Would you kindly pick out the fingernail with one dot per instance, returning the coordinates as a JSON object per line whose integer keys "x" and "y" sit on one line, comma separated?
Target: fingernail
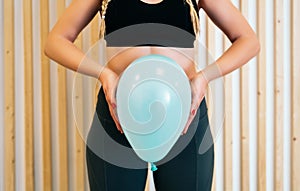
{"x": 193, "y": 111}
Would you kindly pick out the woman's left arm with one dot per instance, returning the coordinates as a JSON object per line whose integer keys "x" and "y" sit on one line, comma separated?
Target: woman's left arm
{"x": 245, "y": 46}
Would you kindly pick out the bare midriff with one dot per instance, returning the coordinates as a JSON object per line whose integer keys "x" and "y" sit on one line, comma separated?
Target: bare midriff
{"x": 124, "y": 56}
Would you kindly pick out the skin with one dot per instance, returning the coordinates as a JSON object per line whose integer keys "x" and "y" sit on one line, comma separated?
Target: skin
{"x": 245, "y": 45}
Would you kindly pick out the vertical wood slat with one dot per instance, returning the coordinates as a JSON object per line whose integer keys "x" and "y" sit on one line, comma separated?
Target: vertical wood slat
{"x": 228, "y": 134}
{"x": 269, "y": 40}
{"x": 37, "y": 95}
{"x": 79, "y": 142}
{"x": 72, "y": 169}
{"x": 228, "y": 127}
{"x": 94, "y": 32}
{"x": 71, "y": 135}
{"x": 9, "y": 116}
{"x": 86, "y": 86}
{"x": 278, "y": 95}
{"x": 62, "y": 116}
{"x": 63, "y": 130}
{"x": 80, "y": 148}
{"x": 20, "y": 94}
{"x": 236, "y": 131}
{"x": 253, "y": 102}
{"x": 287, "y": 86}
{"x": 28, "y": 83}
{"x": 46, "y": 124}
{"x": 218, "y": 111}
{"x": 261, "y": 98}
{"x": 85, "y": 94}
{"x": 80, "y": 183}
{"x": 55, "y": 160}
{"x": 244, "y": 120}
{"x": 219, "y": 144}
{"x": 236, "y": 125}
{"x": 2, "y": 108}
{"x": 296, "y": 95}
{"x": 210, "y": 43}
{"x": 54, "y": 112}
{"x": 244, "y": 132}
{"x": 73, "y": 183}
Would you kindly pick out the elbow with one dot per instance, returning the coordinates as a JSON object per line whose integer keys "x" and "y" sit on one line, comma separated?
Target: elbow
{"x": 47, "y": 47}
{"x": 50, "y": 47}
{"x": 253, "y": 45}
{"x": 250, "y": 41}
{"x": 256, "y": 45}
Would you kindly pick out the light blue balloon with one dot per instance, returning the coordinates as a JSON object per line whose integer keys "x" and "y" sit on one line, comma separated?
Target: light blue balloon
{"x": 153, "y": 105}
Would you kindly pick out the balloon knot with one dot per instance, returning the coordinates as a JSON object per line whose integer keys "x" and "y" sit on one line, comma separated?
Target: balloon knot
{"x": 153, "y": 167}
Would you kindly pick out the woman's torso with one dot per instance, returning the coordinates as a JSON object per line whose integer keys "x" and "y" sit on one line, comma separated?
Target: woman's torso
{"x": 128, "y": 20}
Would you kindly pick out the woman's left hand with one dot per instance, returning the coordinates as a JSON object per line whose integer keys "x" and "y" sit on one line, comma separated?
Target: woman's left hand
{"x": 198, "y": 86}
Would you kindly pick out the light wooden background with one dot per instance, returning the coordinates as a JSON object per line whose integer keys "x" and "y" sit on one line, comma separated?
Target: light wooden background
{"x": 40, "y": 148}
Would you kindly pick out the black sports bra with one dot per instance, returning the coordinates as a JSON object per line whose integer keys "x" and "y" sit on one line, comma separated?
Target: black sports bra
{"x": 169, "y": 22}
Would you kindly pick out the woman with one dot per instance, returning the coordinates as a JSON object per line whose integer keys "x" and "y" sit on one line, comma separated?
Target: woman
{"x": 193, "y": 171}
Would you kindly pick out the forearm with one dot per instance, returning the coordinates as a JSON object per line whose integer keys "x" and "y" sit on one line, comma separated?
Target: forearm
{"x": 239, "y": 53}
{"x": 67, "y": 54}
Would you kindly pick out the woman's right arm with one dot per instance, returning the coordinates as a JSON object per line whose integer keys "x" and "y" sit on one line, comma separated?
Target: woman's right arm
{"x": 60, "y": 47}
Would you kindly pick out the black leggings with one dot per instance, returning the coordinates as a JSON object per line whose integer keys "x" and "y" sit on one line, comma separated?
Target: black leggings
{"x": 188, "y": 170}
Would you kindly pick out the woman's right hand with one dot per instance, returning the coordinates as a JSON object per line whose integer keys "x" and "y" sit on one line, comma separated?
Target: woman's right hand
{"x": 109, "y": 81}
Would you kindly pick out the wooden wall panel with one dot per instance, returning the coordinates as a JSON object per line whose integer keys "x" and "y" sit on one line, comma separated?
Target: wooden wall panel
{"x": 296, "y": 95}
{"x": 261, "y": 99}
{"x": 28, "y": 83}
{"x": 244, "y": 109}
{"x": 228, "y": 133}
{"x": 2, "y": 108}
{"x": 62, "y": 117}
{"x": 48, "y": 105}
{"x": 278, "y": 21}
{"x": 80, "y": 144}
{"x": 9, "y": 100}
{"x": 37, "y": 94}
{"x": 252, "y": 111}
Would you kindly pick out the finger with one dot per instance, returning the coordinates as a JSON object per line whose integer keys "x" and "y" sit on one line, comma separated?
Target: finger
{"x": 186, "y": 128}
{"x": 194, "y": 106}
{"x": 112, "y": 109}
{"x": 113, "y": 96}
{"x": 115, "y": 118}
{"x": 187, "y": 124}
{"x": 118, "y": 125}
{"x": 114, "y": 90}
{"x": 190, "y": 119}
